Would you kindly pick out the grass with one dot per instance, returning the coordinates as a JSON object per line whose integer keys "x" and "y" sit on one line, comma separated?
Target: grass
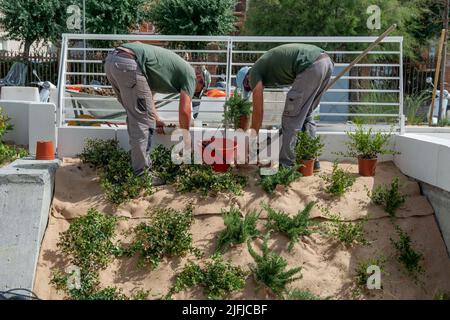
{"x": 412, "y": 104}
{"x": 116, "y": 173}
{"x": 202, "y": 179}
{"x": 285, "y": 176}
{"x": 237, "y": 230}
{"x": 167, "y": 234}
{"x": 406, "y": 255}
{"x": 298, "y": 226}
{"x": 297, "y": 294}
{"x": 389, "y": 197}
{"x": 338, "y": 182}
{"x": 218, "y": 278}
{"x": 270, "y": 271}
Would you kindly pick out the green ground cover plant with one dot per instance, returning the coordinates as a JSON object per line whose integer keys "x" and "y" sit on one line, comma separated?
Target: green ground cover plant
{"x": 166, "y": 235}
{"x": 361, "y": 274}
{"x": 238, "y": 230}
{"x": 406, "y": 255}
{"x": 270, "y": 271}
{"x": 217, "y": 277}
{"x": 389, "y": 197}
{"x": 297, "y": 294}
{"x": 294, "y": 228}
{"x": 285, "y": 176}
{"x": 202, "y": 179}
{"x": 348, "y": 233}
{"x": 117, "y": 179}
{"x": 338, "y": 182}
{"x": 162, "y": 164}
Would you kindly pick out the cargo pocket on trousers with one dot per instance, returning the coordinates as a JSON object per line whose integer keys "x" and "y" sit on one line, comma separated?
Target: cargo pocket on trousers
{"x": 142, "y": 105}
{"x": 293, "y": 104}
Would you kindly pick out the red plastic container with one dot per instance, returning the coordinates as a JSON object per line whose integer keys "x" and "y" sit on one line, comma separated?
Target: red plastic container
{"x": 45, "y": 150}
{"x": 223, "y": 149}
{"x": 307, "y": 168}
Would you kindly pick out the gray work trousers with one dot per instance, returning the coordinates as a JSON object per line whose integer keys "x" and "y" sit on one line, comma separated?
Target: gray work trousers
{"x": 303, "y": 98}
{"x": 133, "y": 92}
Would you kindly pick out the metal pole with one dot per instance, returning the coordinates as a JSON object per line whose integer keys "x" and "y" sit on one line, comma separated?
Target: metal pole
{"x": 361, "y": 56}
{"x": 401, "y": 96}
{"x": 444, "y": 60}
{"x": 436, "y": 77}
{"x": 84, "y": 40}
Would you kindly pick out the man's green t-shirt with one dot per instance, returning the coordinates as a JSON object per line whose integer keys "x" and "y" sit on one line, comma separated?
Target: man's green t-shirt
{"x": 166, "y": 72}
{"x": 280, "y": 66}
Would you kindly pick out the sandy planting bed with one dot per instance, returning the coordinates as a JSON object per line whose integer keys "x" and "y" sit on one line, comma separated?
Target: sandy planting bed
{"x": 328, "y": 266}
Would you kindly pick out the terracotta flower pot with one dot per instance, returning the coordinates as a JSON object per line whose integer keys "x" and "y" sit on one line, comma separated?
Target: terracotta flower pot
{"x": 45, "y": 150}
{"x": 225, "y": 149}
{"x": 307, "y": 168}
{"x": 244, "y": 123}
{"x": 367, "y": 167}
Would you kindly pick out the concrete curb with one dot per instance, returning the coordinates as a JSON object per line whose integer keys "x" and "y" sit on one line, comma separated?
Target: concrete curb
{"x": 26, "y": 192}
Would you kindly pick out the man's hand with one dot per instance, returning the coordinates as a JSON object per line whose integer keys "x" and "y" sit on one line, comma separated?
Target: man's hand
{"x": 160, "y": 126}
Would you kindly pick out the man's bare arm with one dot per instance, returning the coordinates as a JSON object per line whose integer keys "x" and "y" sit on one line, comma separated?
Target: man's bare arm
{"x": 185, "y": 111}
{"x": 258, "y": 106}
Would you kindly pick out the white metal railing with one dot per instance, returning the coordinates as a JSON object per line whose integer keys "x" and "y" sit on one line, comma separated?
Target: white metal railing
{"x": 344, "y": 101}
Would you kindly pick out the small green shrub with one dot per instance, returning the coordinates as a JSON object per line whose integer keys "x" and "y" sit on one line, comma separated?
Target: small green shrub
{"x": 167, "y": 234}
{"x": 389, "y": 197}
{"x": 270, "y": 269}
{"x": 8, "y": 153}
{"x": 89, "y": 240}
{"x": 406, "y": 255}
{"x": 307, "y": 147}
{"x": 202, "y": 179}
{"x": 338, "y": 182}
{"x": 117, "y": 179}
{"x": 162, "y": 164}
{"x": 367, "y": 145}
{"x": 348, "y": 233}
{"x": 99, "y": 153}
{"x": 442, "y": 296}
{"x": 412, "y": 104}
{"x": 217, "y": 277}
{"x": 361, "y": 270}
{"x": 236, "y": 107}
{"x": 285, "y": 176}
{"x": 238, "y": 230}
{"x": 295, "y": 227}
{"x": 297, "y": 294}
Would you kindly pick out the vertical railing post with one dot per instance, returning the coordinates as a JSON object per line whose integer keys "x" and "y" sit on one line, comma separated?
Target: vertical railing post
{"x": 401, "y": 96}
{"x": 62, "y": 81}
{"x": 229, "y": 71}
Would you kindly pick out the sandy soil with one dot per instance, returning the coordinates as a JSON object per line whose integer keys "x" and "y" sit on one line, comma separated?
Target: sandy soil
{"x": 328, "y": 266}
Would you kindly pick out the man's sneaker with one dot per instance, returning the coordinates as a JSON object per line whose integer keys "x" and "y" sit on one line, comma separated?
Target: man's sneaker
{"x": 157, "y": 181}
{"x": 316, "y": 165}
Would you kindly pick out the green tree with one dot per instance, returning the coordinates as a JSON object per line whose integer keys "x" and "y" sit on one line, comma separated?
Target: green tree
{"x": 331, "y": 18}
{"x": 115, "y": 16}
{"x": 194, "y": 17}
{"x": 29, "y": 21}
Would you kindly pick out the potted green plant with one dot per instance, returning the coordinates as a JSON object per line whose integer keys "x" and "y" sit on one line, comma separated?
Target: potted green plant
{"x": 307, "y": 150}
{"x": 238, "y": 111}
{"x": 366, "y": 146}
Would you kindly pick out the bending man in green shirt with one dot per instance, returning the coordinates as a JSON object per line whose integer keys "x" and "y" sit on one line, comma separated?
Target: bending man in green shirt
{"x": 136, "y": 70}
{"x": 308, "y": 70}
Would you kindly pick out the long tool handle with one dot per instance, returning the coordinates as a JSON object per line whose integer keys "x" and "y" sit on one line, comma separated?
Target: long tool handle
{"x": 362, "y": 55}
{"x": 436, "y": 76}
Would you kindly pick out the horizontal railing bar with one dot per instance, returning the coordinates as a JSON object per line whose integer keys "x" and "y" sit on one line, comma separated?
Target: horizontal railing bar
{"x": 190, "y": 38}
{"x": 336, "y": 65}
{"x": 339, "y": 90}
{"x": 390, "y": 115}
{"x": 392, "y": 104}
{"x": 367, "y": 78}
{"x": 359, "y": 52}
{"x": 199, "y": 51}
{"x": 87, "y": 86}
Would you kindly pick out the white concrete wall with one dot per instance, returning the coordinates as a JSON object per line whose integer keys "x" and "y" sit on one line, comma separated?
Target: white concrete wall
{"x": 425, "y": 158}
{"x": 32, "y": 122}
